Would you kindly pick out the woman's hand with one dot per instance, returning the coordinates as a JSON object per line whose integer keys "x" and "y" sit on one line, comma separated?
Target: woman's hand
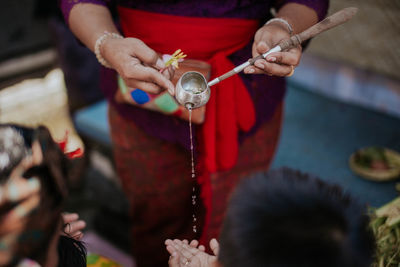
{"x": 72, "y": 226}
{"x": 184, "y": 254}
{"x": 138, "y": 64}
{"x": 278, "y": 63}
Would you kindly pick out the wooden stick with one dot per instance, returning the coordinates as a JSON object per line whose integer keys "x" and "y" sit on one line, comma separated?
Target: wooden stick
{"x": 333, "y": 20}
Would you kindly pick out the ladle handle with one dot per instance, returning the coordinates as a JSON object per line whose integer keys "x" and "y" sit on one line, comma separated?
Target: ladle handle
{"x": 333, "y": 20}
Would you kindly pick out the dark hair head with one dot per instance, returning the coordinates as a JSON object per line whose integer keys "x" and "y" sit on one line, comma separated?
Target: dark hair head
{"x": 286, "y": 218}
{"x": 71, "y": 253}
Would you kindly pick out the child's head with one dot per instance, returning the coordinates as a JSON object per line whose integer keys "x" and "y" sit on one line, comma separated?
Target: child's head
{"x": 286, "y": 218}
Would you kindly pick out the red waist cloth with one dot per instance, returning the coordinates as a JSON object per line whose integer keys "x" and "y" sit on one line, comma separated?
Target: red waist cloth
{"x": 230, "y": 108}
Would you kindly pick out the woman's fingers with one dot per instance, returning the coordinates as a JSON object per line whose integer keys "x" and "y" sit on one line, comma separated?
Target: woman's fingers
{"x": 168, "y": 72}
{"x": 145, "y": 86}
{"x": 147, "y": 55}
{"x": 273, "y": 68}
{"x": 290, "y": 57}
{"x": 252, "y": 70}
{"x": 139, "y": 76}
{"x": 261, "y": 66}
{"x": 134, "y": 60}
{"x": 277, "y": 64}
{"x": 148, "y": 70}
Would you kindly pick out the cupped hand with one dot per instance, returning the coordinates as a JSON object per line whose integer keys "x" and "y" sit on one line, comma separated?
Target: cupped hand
{"x": 184, "y": 254}
{"x": 72, "y": 226}
{"x": 278, "y": 63}
{"x": 138, "y": 64}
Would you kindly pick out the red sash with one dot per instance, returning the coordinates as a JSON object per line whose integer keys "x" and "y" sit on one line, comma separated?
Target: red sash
{"x": 230, "y": 108}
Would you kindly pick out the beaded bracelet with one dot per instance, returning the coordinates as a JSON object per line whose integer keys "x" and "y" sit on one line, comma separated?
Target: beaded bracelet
{"x": 289, "y": 27}
{"x": 98, "y": 44}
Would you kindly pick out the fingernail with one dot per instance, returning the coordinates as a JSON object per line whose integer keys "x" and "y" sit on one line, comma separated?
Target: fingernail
{"x": 259, "y": 65}
{"x": 272, "y": 59}
{"x": 251, "y": 71}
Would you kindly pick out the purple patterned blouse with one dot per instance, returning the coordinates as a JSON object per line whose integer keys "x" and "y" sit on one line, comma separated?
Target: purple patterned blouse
{"x": 267, "y": 92}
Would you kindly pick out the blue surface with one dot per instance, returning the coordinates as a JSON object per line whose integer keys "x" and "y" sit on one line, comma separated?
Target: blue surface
{"x": 320, "y": 134}
{"x": 92, "y": 122}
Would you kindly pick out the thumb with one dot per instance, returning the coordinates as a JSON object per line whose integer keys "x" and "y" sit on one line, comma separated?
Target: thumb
{"x": 262, "y": 47}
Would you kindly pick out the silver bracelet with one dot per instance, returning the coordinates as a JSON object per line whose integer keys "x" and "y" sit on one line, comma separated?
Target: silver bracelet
{"x": 98, "y": 44}
{"x": 288, "y": 26}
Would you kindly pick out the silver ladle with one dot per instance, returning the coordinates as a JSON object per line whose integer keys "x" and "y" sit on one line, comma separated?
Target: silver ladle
{"x": 193, "y": 91}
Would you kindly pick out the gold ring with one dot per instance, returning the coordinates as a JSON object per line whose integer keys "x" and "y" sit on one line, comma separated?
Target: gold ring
{"x": 291, "y": 72}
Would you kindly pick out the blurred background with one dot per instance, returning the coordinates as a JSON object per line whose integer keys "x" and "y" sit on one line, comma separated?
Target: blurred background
{"x": 345, "y": 95}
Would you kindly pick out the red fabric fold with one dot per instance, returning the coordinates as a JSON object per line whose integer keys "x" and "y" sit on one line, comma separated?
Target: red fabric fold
{"x": 230, "y": 108}
{"x": 229, "y": 111}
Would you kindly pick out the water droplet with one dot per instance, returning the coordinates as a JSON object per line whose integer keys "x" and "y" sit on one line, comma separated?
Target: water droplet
{"x": 193, "y": 168}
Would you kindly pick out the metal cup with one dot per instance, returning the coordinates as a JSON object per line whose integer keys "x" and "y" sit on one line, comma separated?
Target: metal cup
{"x": 192, "y": 90}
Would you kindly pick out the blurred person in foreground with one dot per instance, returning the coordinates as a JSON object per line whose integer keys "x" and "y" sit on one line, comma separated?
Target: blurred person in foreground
{"x": 285, "y": 218}
{"x": 33, "y": 187}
